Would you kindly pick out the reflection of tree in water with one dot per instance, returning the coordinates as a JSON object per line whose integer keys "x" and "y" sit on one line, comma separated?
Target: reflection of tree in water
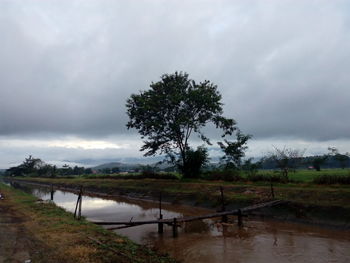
{"x": 22, "y": 187}
{"x": 232, "y": 230}
{"x": 38, "y": 191}
{"x": 197, "y": 226}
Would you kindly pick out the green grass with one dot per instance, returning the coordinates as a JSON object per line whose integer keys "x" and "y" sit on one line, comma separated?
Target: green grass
{"x": 307, "y": 176}
{"x": 69, "y": 240}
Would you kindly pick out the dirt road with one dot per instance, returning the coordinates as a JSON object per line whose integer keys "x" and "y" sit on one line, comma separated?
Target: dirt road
{"x": 16, "y": 242}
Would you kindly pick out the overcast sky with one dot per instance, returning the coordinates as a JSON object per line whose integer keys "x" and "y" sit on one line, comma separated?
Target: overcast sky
{"x": 67, "y": 68}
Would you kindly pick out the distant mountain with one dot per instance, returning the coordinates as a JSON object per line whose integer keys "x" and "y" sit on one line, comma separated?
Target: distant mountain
{"x": 131, "y": 166}
{"x": 127, "y": 160}
{"x": 121, "y": 166}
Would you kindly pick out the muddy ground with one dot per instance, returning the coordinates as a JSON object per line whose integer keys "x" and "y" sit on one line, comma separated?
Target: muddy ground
{"x": 17, "y": 243}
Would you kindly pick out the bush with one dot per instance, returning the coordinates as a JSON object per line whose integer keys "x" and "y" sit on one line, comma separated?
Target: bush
{"x": 143, "y": 175}
{"x": 276, "y": 178}
{"x": 224, "y": 175}
{"x": 332, "y": 179}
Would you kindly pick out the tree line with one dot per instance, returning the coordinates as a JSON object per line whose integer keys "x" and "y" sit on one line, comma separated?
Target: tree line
{"x": 36, "y": 167}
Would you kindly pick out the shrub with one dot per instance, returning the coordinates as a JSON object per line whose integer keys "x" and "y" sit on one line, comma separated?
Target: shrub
{"x": 277, "y": 178}
{"x": 332, "y": 179}
{"x": 224, "y": 175}
{"x": 143, "y": 175}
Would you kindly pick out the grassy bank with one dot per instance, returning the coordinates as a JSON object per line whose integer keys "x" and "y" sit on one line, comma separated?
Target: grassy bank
{"x": 307, "y": 203}
{"x": 208, "y": 191}
{"x": 60, "y": 238}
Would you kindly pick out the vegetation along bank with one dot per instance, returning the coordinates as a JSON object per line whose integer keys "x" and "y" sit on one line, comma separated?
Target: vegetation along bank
{"x": 37, "y": 231}
{"x": 307, "y": 202}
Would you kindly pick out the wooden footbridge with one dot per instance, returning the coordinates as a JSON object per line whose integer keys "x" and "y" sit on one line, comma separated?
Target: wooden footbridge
{"x": 174, "y": 222}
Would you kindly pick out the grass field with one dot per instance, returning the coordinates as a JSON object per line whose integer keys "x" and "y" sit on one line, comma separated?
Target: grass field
{"x": 59, "y": 238}
{"x": 307, "y": 176}
{"x": 297, "y": 176}
{"x": 305, "y": 197}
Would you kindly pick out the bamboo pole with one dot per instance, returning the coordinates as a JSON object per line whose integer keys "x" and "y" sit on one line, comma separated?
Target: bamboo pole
{"x": 160, "y": 225}
{"x": 272, "y": 190}
{"x": 175, "y": 234}
{"x": 240, "y": 222}
{"x": 193, "y": 218}
{"x": 223, "y": 207}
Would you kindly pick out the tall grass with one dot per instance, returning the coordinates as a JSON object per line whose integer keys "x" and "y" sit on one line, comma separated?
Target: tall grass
{"x": 332, "y": 179}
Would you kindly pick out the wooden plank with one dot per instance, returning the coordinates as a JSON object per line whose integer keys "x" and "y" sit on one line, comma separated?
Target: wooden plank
{"x": 193, "y": 218}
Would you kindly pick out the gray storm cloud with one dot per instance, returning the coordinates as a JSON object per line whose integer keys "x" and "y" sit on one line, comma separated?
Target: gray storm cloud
{"x": 67, "y": 67}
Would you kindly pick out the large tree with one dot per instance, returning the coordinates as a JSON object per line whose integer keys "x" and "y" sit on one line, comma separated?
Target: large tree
{"x": 172, "y": 110}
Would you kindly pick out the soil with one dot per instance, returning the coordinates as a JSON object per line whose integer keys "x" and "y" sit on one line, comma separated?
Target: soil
{"x": 16, "y": 242}
{"x": 290, "y": 211}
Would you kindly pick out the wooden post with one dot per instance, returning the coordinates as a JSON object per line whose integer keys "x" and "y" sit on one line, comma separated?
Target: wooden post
{"x": 52, "y": 192}
{"x": 272, "y": 190}
{"x": 80, "y": 201}
{"x": 240, "y": 222}
{"x": 223, "y": 207}
{"x": 160, "y": 225}
{"x": 174, "y": 227}
{"x": 78, "y": 204}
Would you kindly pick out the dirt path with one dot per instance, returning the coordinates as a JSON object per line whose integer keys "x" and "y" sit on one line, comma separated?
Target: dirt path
{"x": 16, "y": 242}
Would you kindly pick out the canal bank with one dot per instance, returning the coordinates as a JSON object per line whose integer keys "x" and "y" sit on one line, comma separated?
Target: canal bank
{"x": 314, "y": 205}
{"x": 209, "y": 241}
{"x": 39, "y": 231}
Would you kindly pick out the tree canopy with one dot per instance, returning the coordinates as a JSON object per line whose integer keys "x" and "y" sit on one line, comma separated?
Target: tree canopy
{"x": 172, "y": 110}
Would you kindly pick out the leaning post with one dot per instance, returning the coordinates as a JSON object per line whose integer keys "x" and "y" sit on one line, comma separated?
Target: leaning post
{"x": 272, "y": 190}
{"x": 239, "y": 214}
{"x": 175, "y": 228}
{"x": 160, "y": 225}
{"x": 52, "y": 192}
{"x": 223, "y": 207}
{"x": 80, "y": 201}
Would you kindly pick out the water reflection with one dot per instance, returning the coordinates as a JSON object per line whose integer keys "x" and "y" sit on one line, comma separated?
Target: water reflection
{"x": 209, "y": 241}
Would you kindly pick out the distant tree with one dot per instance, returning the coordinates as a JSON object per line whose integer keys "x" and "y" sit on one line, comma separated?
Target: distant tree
{"x": 31, "y": 165}
{"x": 78, "y": 170}
{"x": 286, "y": 159}
{"x": 234, "y": 150}
{"x": 15, "y": 171}
{"x": 317, "y": 161}
{"x": 115, "y": 170}
{"x": 342, "y": 159}
{"x": 251, "y": 167}
{"x": 171, "y": 111}
{"x": 106, "y": 170}
{"x": 46, "y": 170}
{"x": 196, "y": 159}
{"x": 88, "y": 171}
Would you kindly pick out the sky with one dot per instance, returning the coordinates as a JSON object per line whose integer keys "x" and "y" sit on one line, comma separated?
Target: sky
{"x": 67, "y": 68}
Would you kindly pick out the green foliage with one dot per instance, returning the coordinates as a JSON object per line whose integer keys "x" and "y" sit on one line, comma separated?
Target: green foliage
{"x": 318, "y": 161}
{"x": 251, "y": 168}
{"x": 343, "y": 159}
{"x": 234, "y": 150}
{"x": 223, "y": 175}
{"x": 36, "y": 167}
{"x": 332, "y": 179}
{"x": 171, "y": 111}
{"x": 143, "y": 175}
{"x": 195, "y": 160}
{"x": 277, "y": 178}
{"x": 286, "y": 159}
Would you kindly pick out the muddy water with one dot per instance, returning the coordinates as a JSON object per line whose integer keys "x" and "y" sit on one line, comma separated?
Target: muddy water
{"x": 208, "y": 241}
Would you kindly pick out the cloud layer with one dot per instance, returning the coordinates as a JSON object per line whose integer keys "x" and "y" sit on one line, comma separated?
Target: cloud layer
{"x": 67, "y": 67}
